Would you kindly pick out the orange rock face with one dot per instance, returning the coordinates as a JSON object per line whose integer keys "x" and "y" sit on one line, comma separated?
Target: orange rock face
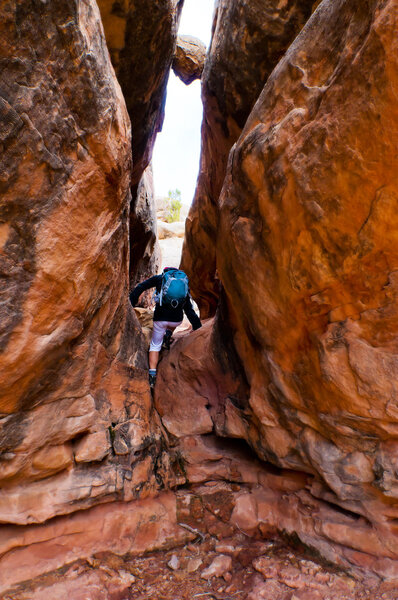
{"x": 248, "y": 40}
{"x": 141, "y": 37}
{"x": 300, "y": 360}
{"x": 306, "y": 254}
{"x": 145, "y": 254}
{"x": 75, "y": 429}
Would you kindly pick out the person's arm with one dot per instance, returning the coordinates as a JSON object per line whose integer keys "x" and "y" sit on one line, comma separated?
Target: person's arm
{"x": 191, "y": 314}
{"x": 142, "y": 287}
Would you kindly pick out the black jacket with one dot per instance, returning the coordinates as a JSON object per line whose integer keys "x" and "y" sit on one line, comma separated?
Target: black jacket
{"x": 166, "y": 312}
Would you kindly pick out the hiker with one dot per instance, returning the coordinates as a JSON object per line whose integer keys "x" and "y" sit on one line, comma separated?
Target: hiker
{"x": 172, "y": 299}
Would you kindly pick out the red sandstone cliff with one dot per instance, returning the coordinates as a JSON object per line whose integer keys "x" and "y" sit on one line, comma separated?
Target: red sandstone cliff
{"x": 306, "y": 255}
{"x": 249, "y": 38}
{"x": 76, "y": 422}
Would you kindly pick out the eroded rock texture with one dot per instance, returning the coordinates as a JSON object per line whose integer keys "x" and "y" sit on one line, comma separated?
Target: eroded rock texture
{"x": 248, "y": 40}
{"x": 307, "y": 255}
{"x": 76, "y": 428}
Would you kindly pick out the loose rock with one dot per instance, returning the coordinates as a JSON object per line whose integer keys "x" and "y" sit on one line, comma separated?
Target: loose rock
{"x": 219, "y": 567}
{"x": 174, "y": 563}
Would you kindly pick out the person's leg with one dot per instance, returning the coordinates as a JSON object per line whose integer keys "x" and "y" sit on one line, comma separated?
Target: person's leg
{"x": 168, "y": 335}
{"x": 153, "y": 359}
{"x": 159, "y": 327}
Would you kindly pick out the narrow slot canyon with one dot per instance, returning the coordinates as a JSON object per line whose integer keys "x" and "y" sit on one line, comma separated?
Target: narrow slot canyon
{"x": 263, "y": 465}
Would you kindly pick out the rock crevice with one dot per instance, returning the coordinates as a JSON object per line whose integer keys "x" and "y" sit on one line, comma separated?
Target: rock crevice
{"x": 278, "y": 417}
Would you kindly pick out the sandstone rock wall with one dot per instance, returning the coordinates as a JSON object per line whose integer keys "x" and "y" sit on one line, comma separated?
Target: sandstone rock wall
{"x": 300, "y": 360}
{"x": 145, "y": 254}
{"x": 76, "y": 423}
{"x": 248, "y": 40}
{"x": 141, "y": 38}
{"x": 306, "y": 253}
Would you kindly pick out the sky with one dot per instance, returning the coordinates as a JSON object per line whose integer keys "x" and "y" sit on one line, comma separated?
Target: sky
{"x": 177, "y": 148}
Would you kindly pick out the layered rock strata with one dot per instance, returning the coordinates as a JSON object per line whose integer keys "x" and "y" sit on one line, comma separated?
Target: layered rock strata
{"x": 306, "y": 255}
{"x": 248, "y": 40}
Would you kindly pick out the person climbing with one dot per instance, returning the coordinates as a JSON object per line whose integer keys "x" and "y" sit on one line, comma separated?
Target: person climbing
{"x": 172, "y": 300}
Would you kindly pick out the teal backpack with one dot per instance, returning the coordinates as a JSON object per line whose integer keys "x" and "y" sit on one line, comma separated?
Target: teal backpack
{"x": 174, "y": 288}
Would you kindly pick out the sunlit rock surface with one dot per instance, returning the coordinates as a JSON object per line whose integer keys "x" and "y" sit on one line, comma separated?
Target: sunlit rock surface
{"x": 189, "y": 59}
{"x": 306, "y": 252}
{"x": 248, "y": 40}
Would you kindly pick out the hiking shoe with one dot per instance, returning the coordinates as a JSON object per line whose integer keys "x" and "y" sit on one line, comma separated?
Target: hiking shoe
{"x": 167, "y": 339}
{"x": 152, "y": 381}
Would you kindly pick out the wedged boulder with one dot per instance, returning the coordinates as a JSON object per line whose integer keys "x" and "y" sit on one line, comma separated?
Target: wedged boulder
{"x": 189, "y": 58}
{"x": 249, "y": 38}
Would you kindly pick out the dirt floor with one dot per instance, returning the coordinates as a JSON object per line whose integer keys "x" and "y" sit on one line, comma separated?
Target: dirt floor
{"x": 247, "y": 570}
{"x": 233, "y": 568}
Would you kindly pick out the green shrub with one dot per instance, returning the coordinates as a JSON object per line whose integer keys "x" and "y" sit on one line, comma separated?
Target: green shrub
{"x": 174, "y": 206}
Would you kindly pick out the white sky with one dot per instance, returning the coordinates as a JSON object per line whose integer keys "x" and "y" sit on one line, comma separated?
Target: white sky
{"x": 177, "y": 148}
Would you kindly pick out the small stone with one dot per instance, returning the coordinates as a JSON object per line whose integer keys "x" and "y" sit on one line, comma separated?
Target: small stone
{"x": 244, "y": 515}
{"x": 93, "y": 447}
{"x": 322, "y": 577}
{"x": 225, "y": 548}
{"x": 126, "y": 576}
{"x": 194, "y": 564}
{"x": 265, "y": 566}
{"x": 120, "y": 447}
{"x": 173, "y": 563}
{"x": 220, "y": 565}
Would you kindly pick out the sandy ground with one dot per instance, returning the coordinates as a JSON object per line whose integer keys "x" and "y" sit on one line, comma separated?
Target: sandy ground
{"x": 247, "y": 569}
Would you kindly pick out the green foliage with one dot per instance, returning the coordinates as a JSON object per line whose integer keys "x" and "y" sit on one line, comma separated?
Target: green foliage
{"x": 174, "y": 206}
